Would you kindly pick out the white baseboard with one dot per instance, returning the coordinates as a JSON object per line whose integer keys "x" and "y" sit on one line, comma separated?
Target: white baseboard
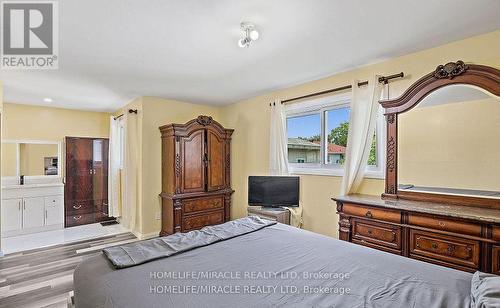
{"x": 146, "y": 236}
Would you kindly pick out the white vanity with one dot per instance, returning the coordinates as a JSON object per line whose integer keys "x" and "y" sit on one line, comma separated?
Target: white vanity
{"x": 32, "y": 208}
{"x": 35, "y": 203}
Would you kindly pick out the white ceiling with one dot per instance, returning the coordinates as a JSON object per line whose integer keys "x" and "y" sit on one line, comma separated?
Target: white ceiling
{"x": 112, "y": 51}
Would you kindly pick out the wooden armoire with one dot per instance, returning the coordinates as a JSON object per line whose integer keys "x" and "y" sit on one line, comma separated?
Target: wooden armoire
{"x": 86, "y": 181}
{"x": 196, "y": 185}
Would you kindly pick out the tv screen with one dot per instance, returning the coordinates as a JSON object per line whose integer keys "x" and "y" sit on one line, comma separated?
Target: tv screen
{"x": 273, "y": 191}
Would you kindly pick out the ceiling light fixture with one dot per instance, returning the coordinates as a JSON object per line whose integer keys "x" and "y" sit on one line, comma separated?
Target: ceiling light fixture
{"x": 250, "y": 34}
{"x": 48, "y": 100}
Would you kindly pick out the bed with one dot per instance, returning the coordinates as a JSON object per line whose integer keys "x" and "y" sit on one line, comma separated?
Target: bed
{"x": 278, "y": 266}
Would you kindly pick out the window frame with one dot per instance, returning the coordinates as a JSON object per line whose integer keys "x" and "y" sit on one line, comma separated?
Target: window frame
{"x": 320, "y": 106}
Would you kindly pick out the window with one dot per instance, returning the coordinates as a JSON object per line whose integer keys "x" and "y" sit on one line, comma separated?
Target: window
{"x": 304, "y": 137}
{"x": 317, "y": 138}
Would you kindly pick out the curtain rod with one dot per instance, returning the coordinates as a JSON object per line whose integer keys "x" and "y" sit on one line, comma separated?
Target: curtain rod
{"x": 381, "y": 79}
{"x": 121, "y": 115}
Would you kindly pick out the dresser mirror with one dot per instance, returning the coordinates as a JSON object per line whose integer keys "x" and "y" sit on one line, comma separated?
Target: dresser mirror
{"x": 30, "y": 158}
{"x": 443, "y": 137}
{"x": 450, "y": 143}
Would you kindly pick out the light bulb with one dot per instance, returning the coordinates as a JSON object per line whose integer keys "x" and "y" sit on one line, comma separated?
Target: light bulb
{"x": 254, "y": 35}
{"x": 48, "y": 100}
{"x": 244, "y": 42}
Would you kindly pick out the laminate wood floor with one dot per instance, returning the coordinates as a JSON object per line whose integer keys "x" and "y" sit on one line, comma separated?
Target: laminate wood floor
{"x": 44, "y": 277}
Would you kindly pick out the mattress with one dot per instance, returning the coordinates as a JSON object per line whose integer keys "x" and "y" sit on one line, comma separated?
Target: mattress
{"x": 277, "y": 266}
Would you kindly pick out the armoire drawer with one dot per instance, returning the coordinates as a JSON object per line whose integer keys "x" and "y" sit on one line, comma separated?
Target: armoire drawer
{"x": 376, "y": 233}
{"x": 496, "y": 233}
{"x": 79, "y": 219}
{"x": 495, "y": 263}
{"x": 202, "y": 204}
{"x": 200, "y": 221}
{"x": 449, "y": 249}
{"x": 371, "y": 213}
{"x": 79, "y": 207}
{"x": 444, "y": 224}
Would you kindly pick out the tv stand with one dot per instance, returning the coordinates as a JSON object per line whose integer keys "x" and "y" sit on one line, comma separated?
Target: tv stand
{"x": 278, "y": 214}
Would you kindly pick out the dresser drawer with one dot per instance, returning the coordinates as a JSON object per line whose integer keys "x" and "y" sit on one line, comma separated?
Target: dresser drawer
{"x": 77, "y": 207}
{"x": 495, "y": 263}
{"x": 202, "y": 220}
{"x": 79, "y": 219}
{"x": 496, "y": 233}
{"x": 202, "y": 204}
{"x": 444, "y": 224}
{"x": 376, "y": 233}
{"x": 445, "y": 248}
{"x": 371, "y": 213}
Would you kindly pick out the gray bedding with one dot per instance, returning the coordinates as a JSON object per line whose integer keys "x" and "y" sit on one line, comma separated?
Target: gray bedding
{"x": 277, "y": 266}
{"x": 145, "y": 251}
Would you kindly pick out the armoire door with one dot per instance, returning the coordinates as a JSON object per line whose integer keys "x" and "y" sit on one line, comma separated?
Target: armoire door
{"x": 79, "y": 177}
{"x": 215, "y": 166}
{"x": 192, "y": 159}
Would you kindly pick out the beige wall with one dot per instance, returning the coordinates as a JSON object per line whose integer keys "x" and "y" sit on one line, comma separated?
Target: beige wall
{"x": 44, "y": 123}
{"x": 452, "y": 145}
{"x": 9, "y": 159}
{"x": 250, "y": 119}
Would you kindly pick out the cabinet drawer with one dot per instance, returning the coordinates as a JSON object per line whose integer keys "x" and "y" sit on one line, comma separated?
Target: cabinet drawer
{"x": 75, "y": 207}
{"x": 79, "y": 219}
{"x": 202, "y": 204}
{"x": 496, "y": 233}
{"x": 445, "y": 248}
{"x": 376, "y": 233}
{"x": 200, "y": 221}
{"x": 371, "y": 213}
{"x": 495, "y": 263}
{"x": 444, "y": 224}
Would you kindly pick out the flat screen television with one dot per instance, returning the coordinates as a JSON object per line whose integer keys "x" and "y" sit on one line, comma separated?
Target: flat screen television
{"x": 273, "y": 191}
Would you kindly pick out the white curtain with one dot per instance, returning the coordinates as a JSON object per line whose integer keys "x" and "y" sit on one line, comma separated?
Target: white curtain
{"x": 278, "y": 154}
{"x": 362, "y": 124}
{"x": 114, "y": 180}
{"x": 278, "y": 160}
{"x": 131, "y": 198}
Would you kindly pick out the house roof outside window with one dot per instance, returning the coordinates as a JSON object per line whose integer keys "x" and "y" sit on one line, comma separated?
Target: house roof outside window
{"x": 298, "y": 143}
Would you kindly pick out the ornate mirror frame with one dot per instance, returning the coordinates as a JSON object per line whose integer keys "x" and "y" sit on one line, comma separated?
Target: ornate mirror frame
{"x": 485, "y": 77}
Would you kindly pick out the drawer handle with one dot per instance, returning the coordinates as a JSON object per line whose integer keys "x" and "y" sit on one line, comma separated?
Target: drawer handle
{"x": 370, "y": 231}
{"x": 369, "y": 214}
{"x": 451, "y": 249}
{"x": 77, "y": 207}
{"x": 434, "y": 245}
{"x": 77, "y": 217}
{"x": 442, "y": 224}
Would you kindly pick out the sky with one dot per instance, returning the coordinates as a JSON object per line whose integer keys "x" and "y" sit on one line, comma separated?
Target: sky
{"x": 307, "y": 126}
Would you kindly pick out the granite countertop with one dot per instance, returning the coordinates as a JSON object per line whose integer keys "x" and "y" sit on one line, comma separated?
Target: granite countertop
{"x": 457, "y": 211}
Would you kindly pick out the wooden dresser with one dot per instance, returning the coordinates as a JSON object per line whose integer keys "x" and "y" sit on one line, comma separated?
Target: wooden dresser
{"x": 439, "y": 215}
{"x": 461, "y": 237}
{"x": 196, "y": 186}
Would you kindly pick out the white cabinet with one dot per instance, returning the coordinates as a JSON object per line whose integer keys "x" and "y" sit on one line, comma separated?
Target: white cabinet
{"x": 12, "y": 215}
{"x": 28, "y": 209}
{"x": 33, "y": 212}
{"x": 54, "y": 210}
